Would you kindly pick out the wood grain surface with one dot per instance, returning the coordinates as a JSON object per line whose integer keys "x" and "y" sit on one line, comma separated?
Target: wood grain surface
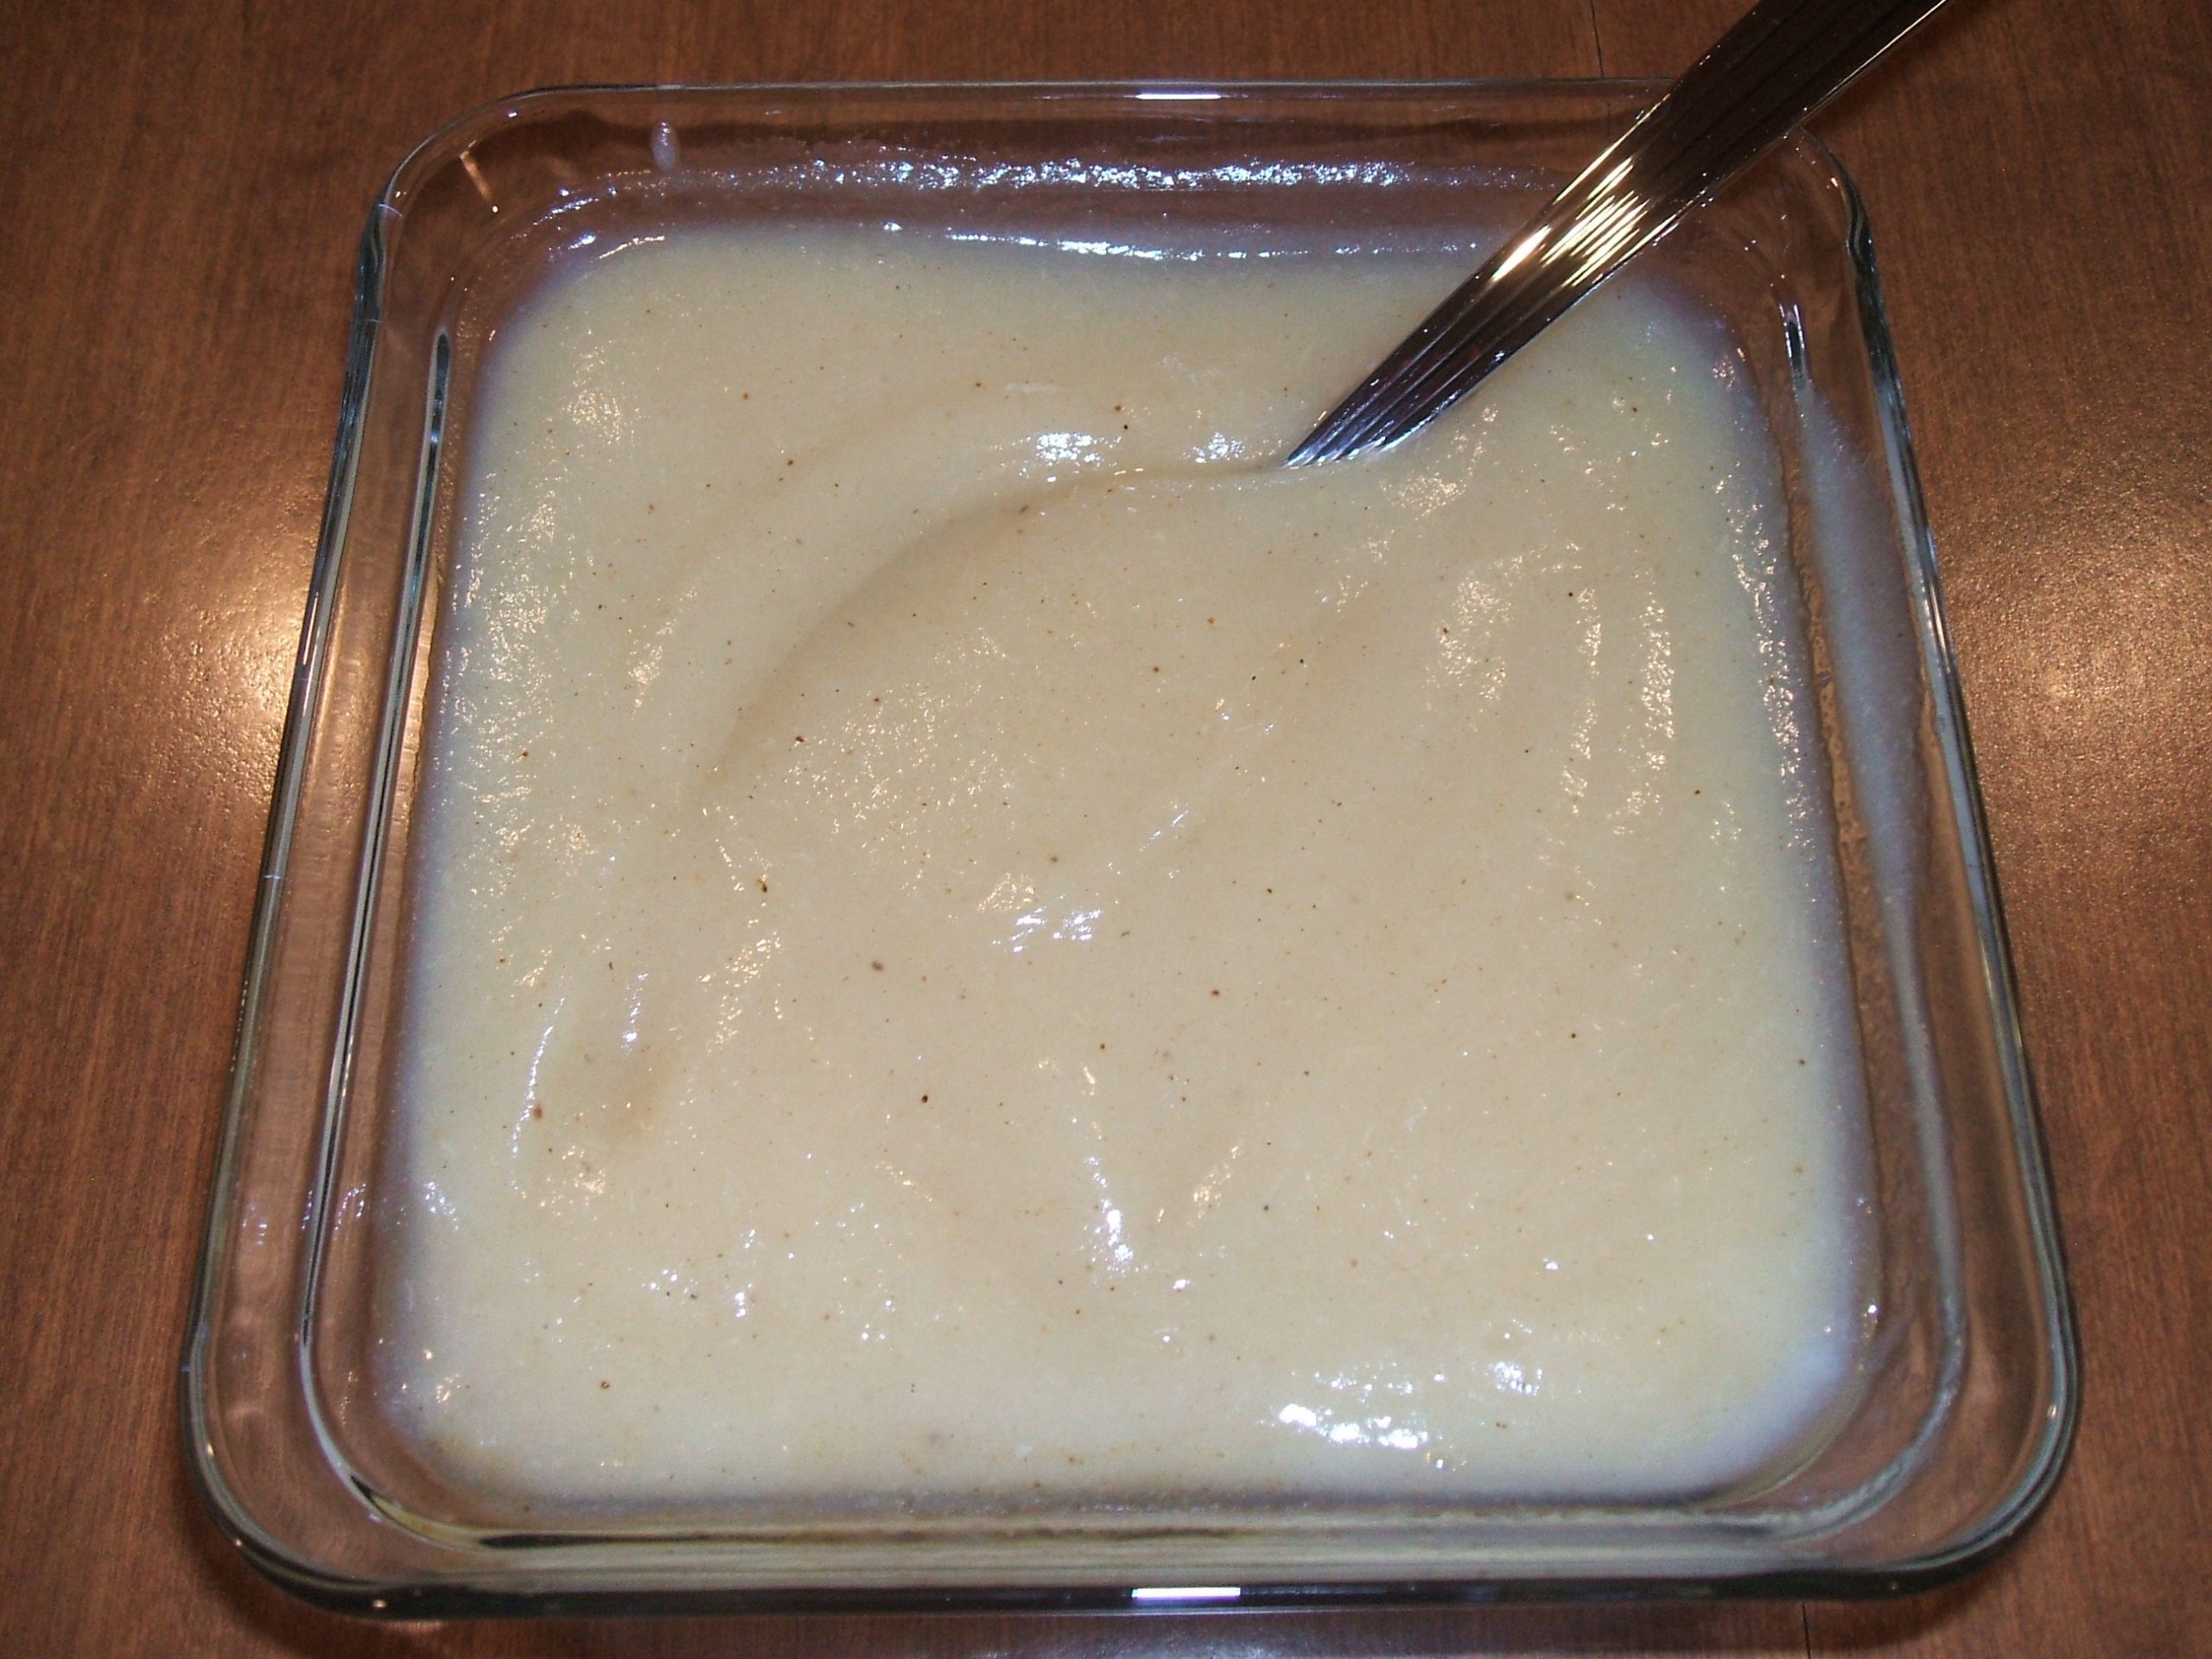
{"x": 180, "y": 188}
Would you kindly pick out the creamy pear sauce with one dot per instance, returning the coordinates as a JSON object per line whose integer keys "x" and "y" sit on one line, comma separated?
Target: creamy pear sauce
{"x": 974, "y": 939}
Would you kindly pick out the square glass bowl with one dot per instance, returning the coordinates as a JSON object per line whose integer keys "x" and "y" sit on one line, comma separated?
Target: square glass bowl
{"x": 1964, "y": 1401}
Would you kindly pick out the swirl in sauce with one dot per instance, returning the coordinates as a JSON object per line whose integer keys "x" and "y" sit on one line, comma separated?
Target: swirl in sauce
{"x": 973, "y": 939}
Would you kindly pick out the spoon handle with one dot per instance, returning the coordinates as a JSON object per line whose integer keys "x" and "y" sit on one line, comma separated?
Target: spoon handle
{"x": 1784, "y": 60}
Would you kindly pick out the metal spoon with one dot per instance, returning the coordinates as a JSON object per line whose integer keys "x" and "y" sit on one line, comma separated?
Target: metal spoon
{"x": 1784, "y": 60}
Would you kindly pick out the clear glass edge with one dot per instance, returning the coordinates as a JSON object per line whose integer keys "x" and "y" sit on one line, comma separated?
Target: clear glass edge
{"x": 2062, "y": 1336}
{"x": 457, "y": 1595}
{"x": 299, "y": 720}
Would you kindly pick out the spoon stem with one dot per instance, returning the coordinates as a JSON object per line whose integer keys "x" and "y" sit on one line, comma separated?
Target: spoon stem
{"x": 1780, "y": 62}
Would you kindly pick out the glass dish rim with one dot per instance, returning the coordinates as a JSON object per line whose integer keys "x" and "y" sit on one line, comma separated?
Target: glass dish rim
{"x": 418, "y": 1599}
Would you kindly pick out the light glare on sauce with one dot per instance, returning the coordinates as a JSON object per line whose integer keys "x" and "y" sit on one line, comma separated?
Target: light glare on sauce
{"x": 973, "y": 938}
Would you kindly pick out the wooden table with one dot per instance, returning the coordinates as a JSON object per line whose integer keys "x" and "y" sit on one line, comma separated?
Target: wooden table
{"x": 180, "y": 188}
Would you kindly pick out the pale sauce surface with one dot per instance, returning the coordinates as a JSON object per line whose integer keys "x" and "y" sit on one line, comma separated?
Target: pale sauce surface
{"x": 971, "y": 937}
